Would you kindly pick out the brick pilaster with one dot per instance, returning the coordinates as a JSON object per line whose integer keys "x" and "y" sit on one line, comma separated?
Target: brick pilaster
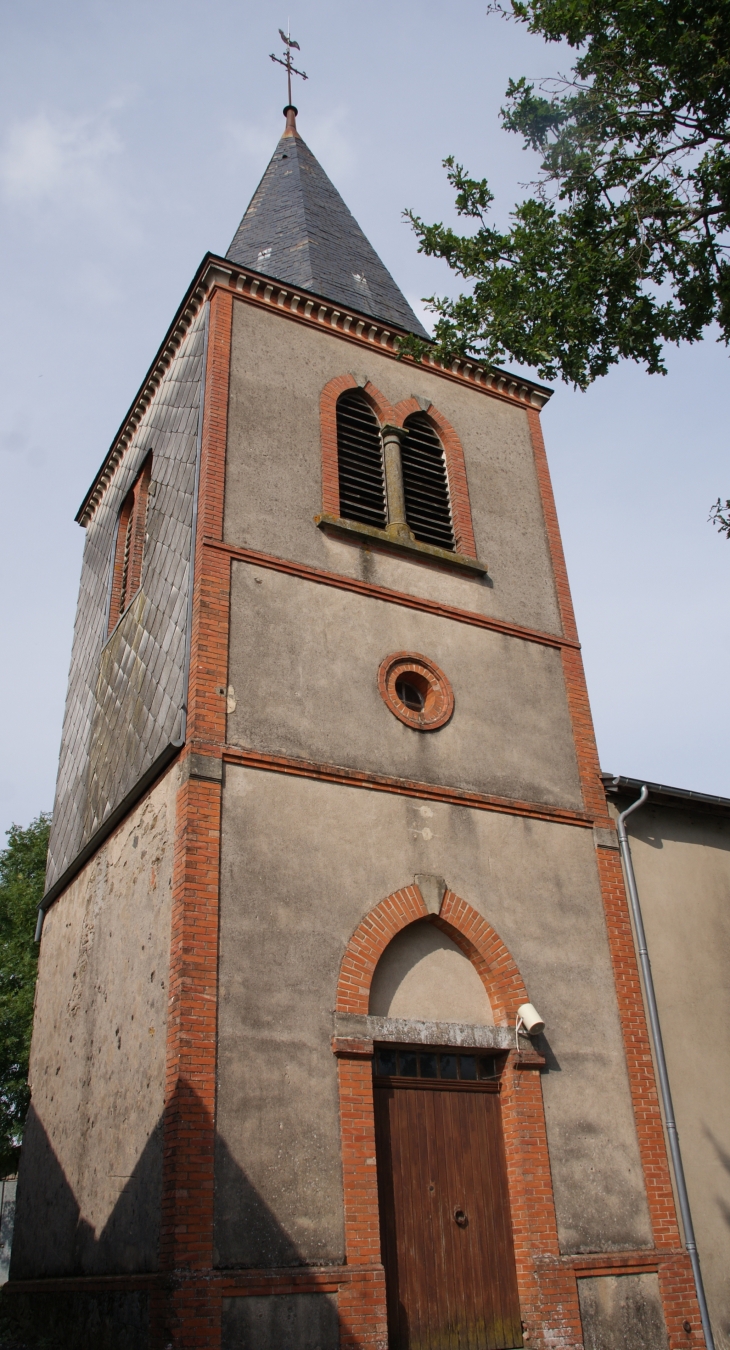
{"x": 676, "y": 1281}
{"x": 186, "y": 1315}
{"x": 589, "y": 768}
{"x": 638, "y": 1050}
{"x": 186, "y": 1239}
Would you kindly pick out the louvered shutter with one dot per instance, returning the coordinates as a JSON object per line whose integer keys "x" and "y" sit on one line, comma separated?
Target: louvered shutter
{"x": 425, "y": 484}
{"x": 360, "y": 461}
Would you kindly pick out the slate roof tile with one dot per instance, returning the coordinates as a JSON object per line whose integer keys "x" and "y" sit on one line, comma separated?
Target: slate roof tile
{"x": 298, "y": 229}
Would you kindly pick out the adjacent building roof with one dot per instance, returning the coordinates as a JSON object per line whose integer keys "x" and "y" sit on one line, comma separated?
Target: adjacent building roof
{"x": 659, "y": 793}
{"x": 297, "y": 229}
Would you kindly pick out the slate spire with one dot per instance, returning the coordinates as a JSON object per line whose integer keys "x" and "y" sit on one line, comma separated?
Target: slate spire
{"x": 298, "y": 230}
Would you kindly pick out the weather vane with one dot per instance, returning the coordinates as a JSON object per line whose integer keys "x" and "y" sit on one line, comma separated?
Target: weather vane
{"x": 290, "y": 69}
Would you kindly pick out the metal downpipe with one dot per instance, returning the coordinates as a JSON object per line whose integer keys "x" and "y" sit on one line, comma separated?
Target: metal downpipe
{"x": 661, "y": 1064}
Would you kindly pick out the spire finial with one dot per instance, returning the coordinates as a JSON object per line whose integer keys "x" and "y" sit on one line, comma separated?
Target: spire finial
{"x": 289, "y": 42}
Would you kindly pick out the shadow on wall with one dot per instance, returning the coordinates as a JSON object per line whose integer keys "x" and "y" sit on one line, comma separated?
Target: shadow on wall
{"x": 53, "y": 1239}
{"x": 656, "y": 827}
{"x": 307, "y": 1321}
{"x": 247, "y": 1234}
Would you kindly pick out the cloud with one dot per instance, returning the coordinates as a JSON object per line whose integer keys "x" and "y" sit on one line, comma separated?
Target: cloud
{"x": 18, "y": 443}
{"x": 14, "y": 442}
{"x": 54, "y": 157}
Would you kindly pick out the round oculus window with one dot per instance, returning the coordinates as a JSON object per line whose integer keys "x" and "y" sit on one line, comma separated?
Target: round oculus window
{"x": 416, "y": 690}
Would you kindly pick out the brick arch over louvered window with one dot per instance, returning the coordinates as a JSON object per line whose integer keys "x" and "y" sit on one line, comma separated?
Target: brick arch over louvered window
{"x": 361, "y": 472}
{"x": 329, "y": 399}
{"x": 129, "y": 546}
{"x": 425, "y": 426}
{"x": 426, "y": 483}
{"x": 411, "y": 411}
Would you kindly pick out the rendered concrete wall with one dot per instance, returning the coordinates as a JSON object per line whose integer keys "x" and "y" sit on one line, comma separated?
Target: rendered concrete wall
{"x": 682, "y": 863}
{"x": 273, "y": 469}
{"x": 79, "y": 1320}
{"x": 423, "y": 975}
{"x": 274, "y": 1321}
{"x": 622, "y": 1312}
{"x": 304, "y": 662}
{"x": 88, "y": 1196}
{"x": 302, "y": 863}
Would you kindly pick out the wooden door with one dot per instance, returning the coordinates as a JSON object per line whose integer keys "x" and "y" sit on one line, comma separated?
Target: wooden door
{"x": 444, "y": 1212}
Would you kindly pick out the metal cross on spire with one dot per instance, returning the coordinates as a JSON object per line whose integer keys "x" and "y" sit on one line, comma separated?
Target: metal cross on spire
{"x": 287, "y": 62}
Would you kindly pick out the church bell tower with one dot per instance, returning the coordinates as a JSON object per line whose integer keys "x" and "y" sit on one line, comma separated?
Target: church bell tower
{"x": 329, "y": 841}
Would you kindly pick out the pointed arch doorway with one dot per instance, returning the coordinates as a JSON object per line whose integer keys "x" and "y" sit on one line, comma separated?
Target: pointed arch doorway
{"x": 445, "y": 1226}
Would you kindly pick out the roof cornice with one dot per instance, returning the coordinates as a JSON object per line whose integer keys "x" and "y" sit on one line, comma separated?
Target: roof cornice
{"x": 300, "y": 306}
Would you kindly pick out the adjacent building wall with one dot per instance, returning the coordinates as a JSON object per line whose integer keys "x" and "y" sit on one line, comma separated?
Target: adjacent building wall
{"x": 681, "y": 856}
{"x": 89, "y": 1195}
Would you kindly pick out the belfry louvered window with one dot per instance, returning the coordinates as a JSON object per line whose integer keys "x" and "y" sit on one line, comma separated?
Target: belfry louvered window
{"x": 129, "y": 546}
{"x": 425, "y": 484}
{"x": 360, "y": 460}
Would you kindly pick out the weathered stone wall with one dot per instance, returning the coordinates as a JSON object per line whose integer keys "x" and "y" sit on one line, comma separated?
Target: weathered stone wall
{"x": 681, "y": 858}
{"x": 98, "y": 1320}
{"x": 90, "y": 1174}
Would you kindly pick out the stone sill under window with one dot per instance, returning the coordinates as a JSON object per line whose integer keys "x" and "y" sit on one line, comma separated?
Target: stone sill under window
{"x": 400, "y": 544}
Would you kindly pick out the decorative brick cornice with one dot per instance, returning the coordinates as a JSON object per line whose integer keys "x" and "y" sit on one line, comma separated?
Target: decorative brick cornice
{"x": 369, "y": 332}
{"x": 301, "y": 307}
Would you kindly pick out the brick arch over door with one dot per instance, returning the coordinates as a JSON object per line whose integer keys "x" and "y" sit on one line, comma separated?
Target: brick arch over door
{"x": 471, "y": 932}
{"x": 547, "y": 1290}
{"x": 396, "y": 416}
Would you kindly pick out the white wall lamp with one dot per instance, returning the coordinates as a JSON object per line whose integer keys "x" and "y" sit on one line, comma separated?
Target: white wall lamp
{"x": 528, "y": 1021}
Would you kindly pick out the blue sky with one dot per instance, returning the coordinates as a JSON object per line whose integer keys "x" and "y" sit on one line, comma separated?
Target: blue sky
{"x": 131, "y": 138}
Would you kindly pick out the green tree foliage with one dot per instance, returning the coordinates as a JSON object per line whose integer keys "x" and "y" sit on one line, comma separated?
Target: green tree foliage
{"x": 623, "y": 244}
{"x": 22, "y": 874}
